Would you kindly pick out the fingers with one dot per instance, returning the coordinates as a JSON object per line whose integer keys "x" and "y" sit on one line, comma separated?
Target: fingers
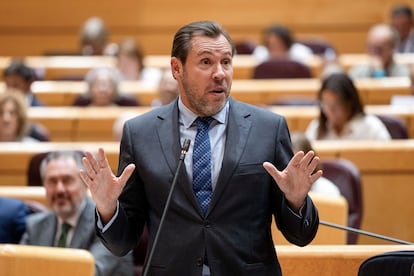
{"x": 102, "y": 160}
{"x": 126, "y": 174}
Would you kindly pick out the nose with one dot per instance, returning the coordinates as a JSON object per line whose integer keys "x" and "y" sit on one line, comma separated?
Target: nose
{"x": 219, "y": 73}
{"x": 60, "y": 186}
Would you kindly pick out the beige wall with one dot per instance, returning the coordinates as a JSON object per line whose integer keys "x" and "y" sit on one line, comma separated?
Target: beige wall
{"x": 30, "y": 27}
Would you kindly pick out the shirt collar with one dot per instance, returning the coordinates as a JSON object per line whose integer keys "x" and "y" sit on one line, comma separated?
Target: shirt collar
{"x": 73, "y": 220}
{"x": 187, "y": 117}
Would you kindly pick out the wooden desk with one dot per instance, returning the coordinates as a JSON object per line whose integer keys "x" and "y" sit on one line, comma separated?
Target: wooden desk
{"x": 386, "y": 169}
{"x": 338, "y": 260}
{"x": 332, "y": 209}
{"x": 349, "y": 60}
{"x": 258, "y": 92}
{"x": 58, "y": 67}
{"x": 29, "y": 260}
{"x": 25, "y": 193}
{"x": 14, "y": 157}
{"x": 95, "y": 124}
{"x": 387, "y": 173}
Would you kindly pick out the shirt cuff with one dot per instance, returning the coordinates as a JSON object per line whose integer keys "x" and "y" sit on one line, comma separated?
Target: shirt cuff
{"x": 99, "y": 223}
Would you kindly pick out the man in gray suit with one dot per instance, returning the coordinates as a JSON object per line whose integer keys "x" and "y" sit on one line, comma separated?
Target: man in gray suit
{"x": 67, "y": 197}
{"x": 222, "y": 226}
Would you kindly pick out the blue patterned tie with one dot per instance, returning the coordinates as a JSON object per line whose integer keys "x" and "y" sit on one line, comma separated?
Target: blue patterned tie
{"x": 202, "y": 164}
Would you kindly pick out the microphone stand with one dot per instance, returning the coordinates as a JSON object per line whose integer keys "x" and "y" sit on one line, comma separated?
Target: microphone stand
{"x": 184, "y": 150}
{"x": 362, "y": 232}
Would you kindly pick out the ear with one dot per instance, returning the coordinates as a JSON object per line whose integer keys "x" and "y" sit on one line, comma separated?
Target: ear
{"x": 176, "y": 67}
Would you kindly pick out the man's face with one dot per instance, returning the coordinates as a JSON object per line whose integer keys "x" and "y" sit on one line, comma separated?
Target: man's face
{"x": 381, "y": 48}
{"x": 17, "y": 82}
{"x": 402, "y": 25}
{"x": 65, "y": 191}
{"x": 206, "y": 77}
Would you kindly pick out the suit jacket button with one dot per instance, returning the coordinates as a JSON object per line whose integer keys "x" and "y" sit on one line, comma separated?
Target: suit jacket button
{"x": 199, "y": 262}
{"x": 306, "y": 223}
{"x": 207, "y": 224}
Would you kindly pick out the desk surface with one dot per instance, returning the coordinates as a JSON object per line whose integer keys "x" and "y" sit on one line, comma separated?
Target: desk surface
{"x": 95, "y": 123}
{"x": 258, "y": 92}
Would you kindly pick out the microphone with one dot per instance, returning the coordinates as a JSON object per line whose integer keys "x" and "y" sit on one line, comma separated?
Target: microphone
{"x": 183, "y": 152}
{"x": 363, "y": 232}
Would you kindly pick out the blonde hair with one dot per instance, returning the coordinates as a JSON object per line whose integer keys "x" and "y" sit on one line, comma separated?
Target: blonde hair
{"x": 17, "y": 97}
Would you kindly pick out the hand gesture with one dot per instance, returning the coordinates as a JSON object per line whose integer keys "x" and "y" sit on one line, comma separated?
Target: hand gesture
{"x": 297, "y": 178}
{"x": 104, "y": 186}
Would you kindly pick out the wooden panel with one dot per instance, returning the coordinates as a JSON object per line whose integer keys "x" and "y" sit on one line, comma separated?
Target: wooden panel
{"x": 95, "y": 123}
{"x": 25, "y": 260}
{"x": 258, "y": 92}
{"x": 332, "y": 209}
{"x": 53, "y": 25}
{"x": 338, "y": 260}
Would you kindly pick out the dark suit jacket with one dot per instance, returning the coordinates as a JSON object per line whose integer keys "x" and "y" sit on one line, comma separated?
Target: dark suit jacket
{"x": 13, "y": 215}
{"x": 236, "y": 232}
{"x": 41, "y": 230}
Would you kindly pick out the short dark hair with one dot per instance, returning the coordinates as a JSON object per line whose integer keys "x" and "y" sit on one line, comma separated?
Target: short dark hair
{"x": 20, "y": 69}
{"x": 402, "y": 10}
{"x": 182, "y": 39}
{"x": 281, "y": 32}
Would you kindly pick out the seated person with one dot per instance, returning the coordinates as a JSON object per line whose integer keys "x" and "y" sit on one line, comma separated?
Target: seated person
{"x": 342, "y": 114}
{"x": 167, "y": 89}
{"x": 381, "y": 42}
{"x": 13, "y": 213}
{"x": 130, "y": 62}
{"x": 71, "y": 222}
{"x": 403, "y": 22}
{"x": 19, "y": 76}
{"x": 94, "y": 38}
{"x": 14, "y": 123}
{"x": 103, "y": 83}
{"x": 280, "y": 43}
{"x": 322, "y": 185}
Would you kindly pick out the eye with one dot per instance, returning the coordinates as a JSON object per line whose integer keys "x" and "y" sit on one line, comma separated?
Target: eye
{"x": 227, "y": 62}
{"x": 205, "y": 61}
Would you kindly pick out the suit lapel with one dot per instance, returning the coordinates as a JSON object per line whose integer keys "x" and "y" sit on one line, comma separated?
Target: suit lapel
{"x": 238, "y": 128}
{"x": 84, "y": 227}
{"x": 171, "y": 148}
{"x": 46, "y": 236}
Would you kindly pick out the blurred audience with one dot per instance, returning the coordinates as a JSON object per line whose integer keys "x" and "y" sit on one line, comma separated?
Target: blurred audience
{"x": 14, "y": 123}
{"x": 19, "y": 76}
{"x": 381, "y": 42}
{"x": 103, "y": 89}
{"x": 342, "y": 114}
{"x": 130, "y": 62}
{"x": 94, "y": 38}
{"x": 167, "y": 89}
{"x": 403, "y": 22}
{"x": 323, "y": 185}
{"x": 280, "y": 43}
{"x": 13, "y": 214}
{"x": 71, "y": 221}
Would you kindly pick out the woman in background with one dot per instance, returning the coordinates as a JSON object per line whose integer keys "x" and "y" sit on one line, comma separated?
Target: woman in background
{"x": 342, "y": 114}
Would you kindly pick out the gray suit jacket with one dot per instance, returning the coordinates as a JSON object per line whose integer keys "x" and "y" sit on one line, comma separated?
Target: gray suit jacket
{"x": 41, "y": 230}
{"x": 236, "y": 232}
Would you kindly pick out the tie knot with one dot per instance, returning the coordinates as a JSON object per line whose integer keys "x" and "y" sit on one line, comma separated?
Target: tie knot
{"x": 203, "y": 122}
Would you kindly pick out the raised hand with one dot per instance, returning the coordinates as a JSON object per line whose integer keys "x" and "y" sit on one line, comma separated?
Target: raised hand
{"x": 104, "y": 186}
{"x": 297, "y": 178}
